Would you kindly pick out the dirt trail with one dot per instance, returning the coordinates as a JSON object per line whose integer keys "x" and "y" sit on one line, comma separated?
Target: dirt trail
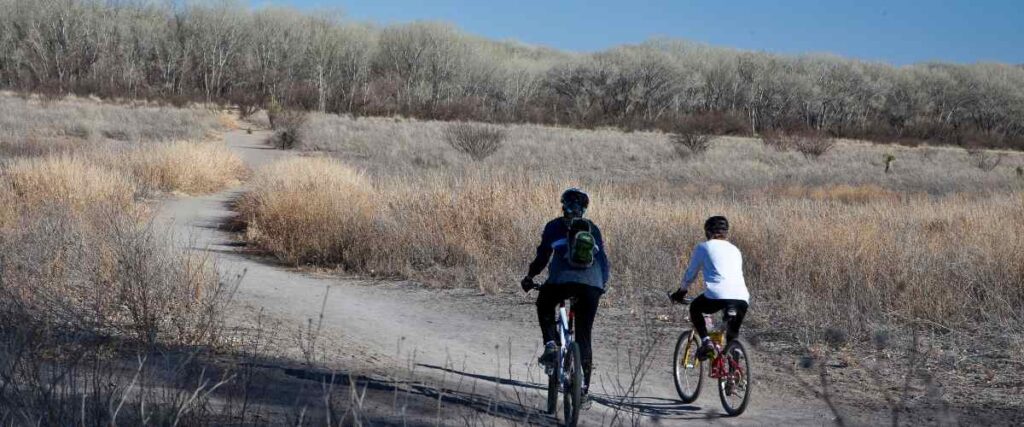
{"x": 459, "y": 341}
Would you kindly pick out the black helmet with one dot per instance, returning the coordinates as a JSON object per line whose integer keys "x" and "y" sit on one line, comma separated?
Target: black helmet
{"x": 716, "y": 225}
{"x": 575, "y": 202}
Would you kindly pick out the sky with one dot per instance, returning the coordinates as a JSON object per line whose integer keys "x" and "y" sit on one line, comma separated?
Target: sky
{"x": 894, "y": 31}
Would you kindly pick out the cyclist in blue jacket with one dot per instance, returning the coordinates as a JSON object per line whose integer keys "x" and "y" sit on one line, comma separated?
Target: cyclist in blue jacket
{"x": 567, "y": 279}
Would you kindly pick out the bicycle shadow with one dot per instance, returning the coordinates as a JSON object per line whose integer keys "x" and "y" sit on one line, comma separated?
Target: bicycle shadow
{"x": 487, "y": 378}
{"x": 491, "y": 405}
{"x": 654, "y": 407}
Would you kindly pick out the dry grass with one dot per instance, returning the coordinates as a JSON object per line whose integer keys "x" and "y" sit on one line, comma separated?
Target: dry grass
{"x": 289, "y": 216}
{"x": 835, "y": 243}
{"x": 78, "y": 249}
{"x": 156, "y": 148}
{"x": 65, "y": 179}
{"x": 402, "y": 147}
{"x": 193, "y": 168}
{"x": 29, "y": 126}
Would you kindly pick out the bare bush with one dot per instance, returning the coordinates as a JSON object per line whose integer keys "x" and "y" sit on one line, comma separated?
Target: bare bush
{"x": 985, "y": 160}
{"x": 812, "y": 144}
{"x": 288, "y": 127}
{"x": 117, "y": 274}
{"x": 476, "y": 140}
{"x": 775, "y": 140}
{"x": 689, "y": 139}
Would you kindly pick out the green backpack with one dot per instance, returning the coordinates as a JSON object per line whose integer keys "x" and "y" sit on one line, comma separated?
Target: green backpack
{"x": 582, "y": 244}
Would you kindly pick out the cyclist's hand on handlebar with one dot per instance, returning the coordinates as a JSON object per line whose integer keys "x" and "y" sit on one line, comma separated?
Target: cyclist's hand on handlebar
{"x": 679, "y": 297}
{"x": 527, "y": 284}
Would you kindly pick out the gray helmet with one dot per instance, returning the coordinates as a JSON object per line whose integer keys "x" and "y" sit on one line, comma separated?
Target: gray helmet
{"x": 575, "y": 202}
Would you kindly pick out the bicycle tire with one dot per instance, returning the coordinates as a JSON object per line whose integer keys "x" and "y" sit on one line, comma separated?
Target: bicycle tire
{"x": 573, "y": 394}
{"x": 735, "y": 352}
{"x": 686, "y": 345}
{"x": 553, "y": 393}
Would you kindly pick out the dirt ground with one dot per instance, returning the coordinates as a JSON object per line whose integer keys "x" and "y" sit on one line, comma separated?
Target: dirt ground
{"x": 409, "y": 355}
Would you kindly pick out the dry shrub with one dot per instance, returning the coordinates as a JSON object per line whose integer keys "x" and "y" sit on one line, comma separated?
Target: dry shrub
{"x": 477, "y": 140}
{"x": 309, "y": 210}
{"x": 288, "y": 127}
{"x": 812, "y": 144}
{"x": 193, "y": 168}
{"x": 690, "y": 137}
{"x": 986, "y": 160}
{"x": 775, "y": 140}
{"x": 70, "y": 180}
{"x": 687, "y": 144}
{"x": 104, "y": 271}
{"x": 75, "y": 251}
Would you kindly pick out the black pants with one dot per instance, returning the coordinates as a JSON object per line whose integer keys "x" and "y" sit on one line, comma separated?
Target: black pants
{"x": 587, "y": 298}
{"x": 703, "y": 305}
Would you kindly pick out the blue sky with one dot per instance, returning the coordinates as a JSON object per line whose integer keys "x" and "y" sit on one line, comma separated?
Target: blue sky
{"x": 897, "y": 31}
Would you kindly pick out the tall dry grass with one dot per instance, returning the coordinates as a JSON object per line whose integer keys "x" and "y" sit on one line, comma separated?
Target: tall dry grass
{"x": 187, "y": 167}
{"x": 833, "y": 243}
{"x": 73, "y": 181}
{"x": 288, "y": 214}
{"x": 158, "y": 149}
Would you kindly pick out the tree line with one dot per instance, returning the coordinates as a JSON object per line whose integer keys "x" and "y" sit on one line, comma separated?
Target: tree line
{"x": 226, "y": 52}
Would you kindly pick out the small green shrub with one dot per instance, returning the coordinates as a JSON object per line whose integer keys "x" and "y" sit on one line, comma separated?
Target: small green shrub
{"x": 889, "y": 158}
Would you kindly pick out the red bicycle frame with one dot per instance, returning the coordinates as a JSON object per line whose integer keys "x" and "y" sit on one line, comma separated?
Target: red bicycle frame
{"x": 718, "y": 369}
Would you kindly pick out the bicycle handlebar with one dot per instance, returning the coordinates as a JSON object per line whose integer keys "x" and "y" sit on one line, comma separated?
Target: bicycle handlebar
{"x": 685, "y": 301}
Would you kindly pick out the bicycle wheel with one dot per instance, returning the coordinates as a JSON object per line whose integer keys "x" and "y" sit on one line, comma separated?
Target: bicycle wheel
{"x": 734, "y": 388}
{"x": 553, "y": 392}
{"x": 687, "y": 370}
{"x": 573, "y": 393}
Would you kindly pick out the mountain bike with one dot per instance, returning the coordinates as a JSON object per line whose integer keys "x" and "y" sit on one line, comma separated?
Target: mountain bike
{"x": 730, "y": 366}
{"x": 566, "y": 376}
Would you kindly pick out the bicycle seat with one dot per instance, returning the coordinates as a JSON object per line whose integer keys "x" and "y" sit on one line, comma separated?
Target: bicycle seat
{"x": 572, "y": 302}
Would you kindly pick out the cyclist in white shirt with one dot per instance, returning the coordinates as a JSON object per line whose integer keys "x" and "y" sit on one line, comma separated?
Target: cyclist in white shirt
{"x": 722, "y": 265}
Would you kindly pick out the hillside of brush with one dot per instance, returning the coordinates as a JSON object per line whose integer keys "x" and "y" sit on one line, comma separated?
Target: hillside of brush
{"x": 230, "y": 53}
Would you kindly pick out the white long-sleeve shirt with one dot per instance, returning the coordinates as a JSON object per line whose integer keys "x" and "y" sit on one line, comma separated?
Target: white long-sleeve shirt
{"x": 722, "y": 264}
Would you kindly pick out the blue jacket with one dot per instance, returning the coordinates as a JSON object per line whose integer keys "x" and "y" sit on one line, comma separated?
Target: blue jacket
{"x": 553, "y": 247}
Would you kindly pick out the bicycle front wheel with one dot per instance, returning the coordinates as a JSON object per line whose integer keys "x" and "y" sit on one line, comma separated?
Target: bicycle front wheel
{"x": 734, "y": 386}
{"x": 553, "y": 393}
{"x": 573, "y": 394}
{"x": 687, "y": 370}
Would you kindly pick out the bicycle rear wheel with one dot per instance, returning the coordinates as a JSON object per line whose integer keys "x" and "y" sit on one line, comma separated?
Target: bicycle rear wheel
{"x": 573, "y": 393}
{"x": 734, "y": 387}
{"x": 686, "y": 369}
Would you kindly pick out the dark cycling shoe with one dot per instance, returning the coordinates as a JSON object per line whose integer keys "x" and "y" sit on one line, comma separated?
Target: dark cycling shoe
{"x": 547, "y": 360}
{"x": 706, "y": 351}
{"x": 585, "y": 402}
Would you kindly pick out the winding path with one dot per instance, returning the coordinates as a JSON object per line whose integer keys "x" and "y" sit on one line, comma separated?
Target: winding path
{"x": 458, "y": 340}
